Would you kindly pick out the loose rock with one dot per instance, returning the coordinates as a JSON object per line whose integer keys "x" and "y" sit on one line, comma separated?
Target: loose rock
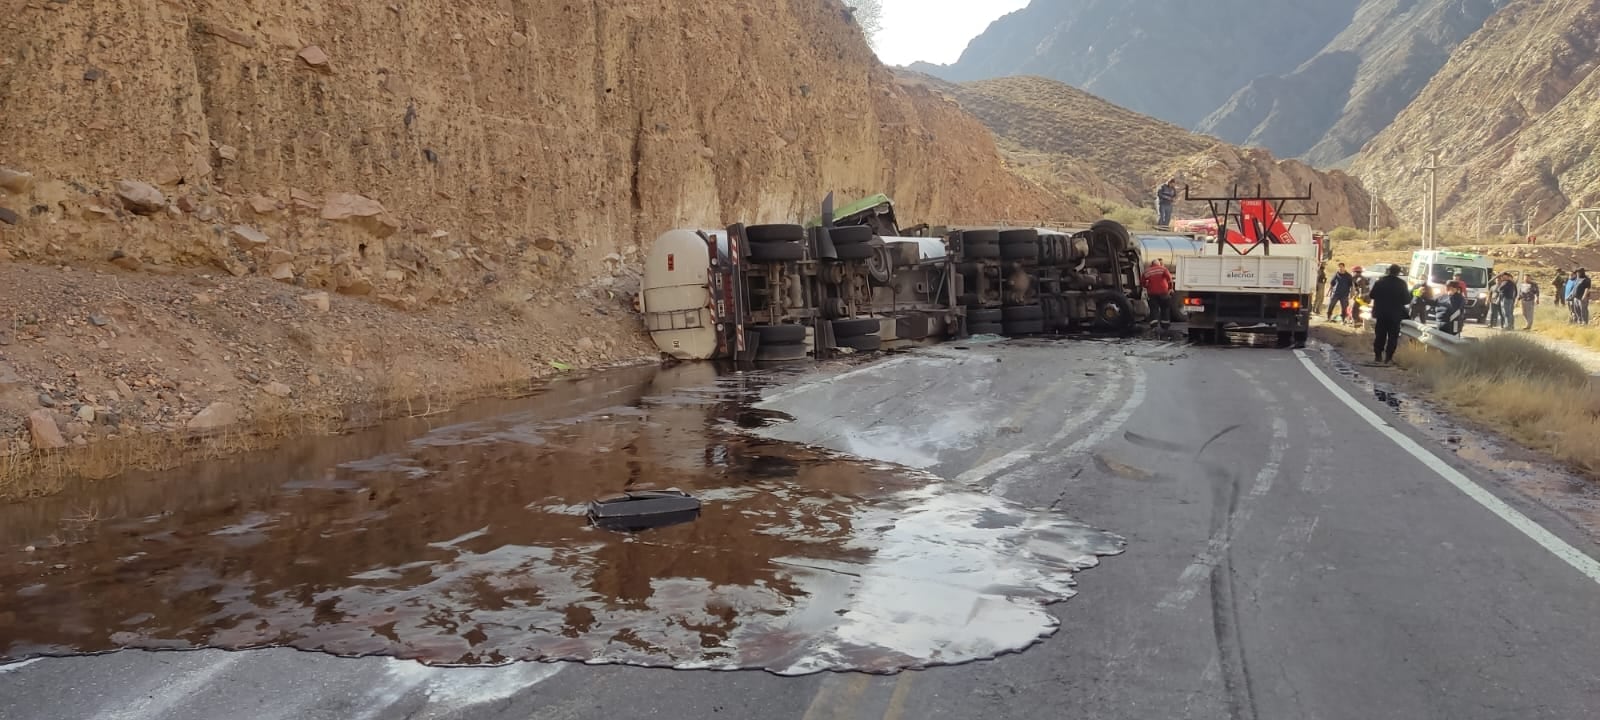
{"x": 276, "y": 389}
{"x": 318, "y": 301}
{"x": 86, "y": 413}
{"x": 283, "y": 272}
{"x": 252, "y": 237}
{"x": 125, "y": 261}
{"x": 315, "y": 57}
{"x": 44, "y": 431}
{"x": 217, "y": 414}
{"x": 263, "y": 205}
{"x": 9, "y": 216}
{"x": 15, "y": 182}
{"x": 140, "y": 197}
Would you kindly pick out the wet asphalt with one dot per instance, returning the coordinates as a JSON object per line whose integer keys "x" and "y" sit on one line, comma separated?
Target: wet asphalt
{"x": 1283, "y": 559}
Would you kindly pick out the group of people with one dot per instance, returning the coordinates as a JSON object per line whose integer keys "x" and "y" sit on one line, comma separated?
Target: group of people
{"x": 1389, "y": 297}
{"x": 1573, "y": 291}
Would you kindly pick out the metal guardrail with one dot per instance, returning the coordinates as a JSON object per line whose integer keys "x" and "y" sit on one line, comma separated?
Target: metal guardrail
{"x": 1433, "y": 337}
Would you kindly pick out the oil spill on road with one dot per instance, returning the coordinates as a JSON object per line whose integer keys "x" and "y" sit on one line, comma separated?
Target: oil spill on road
{"x": 467, "y": 544}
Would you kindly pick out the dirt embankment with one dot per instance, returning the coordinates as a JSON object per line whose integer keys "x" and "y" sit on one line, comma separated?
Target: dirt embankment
{"x": 474, "y": 185}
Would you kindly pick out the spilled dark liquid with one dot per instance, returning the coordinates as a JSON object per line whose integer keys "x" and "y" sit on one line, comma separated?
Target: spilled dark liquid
{"x": 467, "y": 544}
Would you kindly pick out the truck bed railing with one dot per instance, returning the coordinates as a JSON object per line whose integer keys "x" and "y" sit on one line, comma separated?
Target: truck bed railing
{"x": 1223, "y": 210}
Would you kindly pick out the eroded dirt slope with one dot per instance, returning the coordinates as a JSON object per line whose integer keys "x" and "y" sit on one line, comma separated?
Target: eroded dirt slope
{"x": 465, "y": 164}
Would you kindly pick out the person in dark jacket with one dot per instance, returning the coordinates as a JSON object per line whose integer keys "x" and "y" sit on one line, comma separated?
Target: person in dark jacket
{"x": 1391, "y": 302}
{"x": 1558, "y": 294}
{"x": 1506, "y": 298}
{"x": 1166, "y": 196}
{"x": 1454, "y": 317}
{"x": 1339, "y": 292}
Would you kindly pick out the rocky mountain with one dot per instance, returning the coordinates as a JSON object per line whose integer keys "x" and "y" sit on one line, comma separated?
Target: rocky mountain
{"x": 1059, "y": 135}
{"x": 1304, "y": 78}
{"x": 1514, "y": 115}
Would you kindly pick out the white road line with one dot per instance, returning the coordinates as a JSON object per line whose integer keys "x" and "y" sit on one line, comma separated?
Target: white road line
{"x": 1579, "y": 560}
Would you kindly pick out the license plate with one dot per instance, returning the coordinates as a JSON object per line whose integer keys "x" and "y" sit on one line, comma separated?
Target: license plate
{"x": 1194, "y": 308}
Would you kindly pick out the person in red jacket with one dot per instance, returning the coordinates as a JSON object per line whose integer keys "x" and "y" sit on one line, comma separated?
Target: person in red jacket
{"x": 1158, "y": 288}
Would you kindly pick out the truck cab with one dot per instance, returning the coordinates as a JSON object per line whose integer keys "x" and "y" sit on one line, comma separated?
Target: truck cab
{"x": 1438, "y": 267}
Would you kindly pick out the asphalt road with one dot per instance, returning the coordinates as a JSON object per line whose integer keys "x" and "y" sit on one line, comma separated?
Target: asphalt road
{"x": 1285, "y": 559}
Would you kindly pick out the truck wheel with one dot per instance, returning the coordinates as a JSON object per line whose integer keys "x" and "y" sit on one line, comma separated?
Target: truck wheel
{"x": 880, "y": 266}
{"x": 781, "y": 352}
{"x": 834, "y": 308}
{"x": 1020, "y": 251}
{"x": 1197, "y": 336}
{"x": 1300, "y": 339}
{"x": 849, "y": 235}
{"x": 777, "y": 252}
{"x": 862, "y": 343}
{"x": 985, "y": 317}
{"x": 1022, "y": 312}
{"x": 980, "y": 237}
{"x": 981, "y": 251}
{"x": 1113, "y": 312}
{"x": 852, "y": 328}
{"x": 780, "y": 334}
{"x": 853, "y": 252}
{"x": 984, "y": 328}
{"x": 1024, "y": 327}
{"x": 775, "y": 233}
{"x": 1120, "y": 237}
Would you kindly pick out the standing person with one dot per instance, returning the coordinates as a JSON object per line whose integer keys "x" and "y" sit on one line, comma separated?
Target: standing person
{"x": 1158, "y": 287}
{"x": 1339, "y": 292}
{"x": 1528, "y": 294}
{"x": 1570, "y": 293}
{"x": 1322, "y": 283}
{"x": 1362, "y": 294}
{"x": 1581, "y": 296}
{"x": 1391, "y": 301}
{"x": 1166, "y": 196}
{"x": 1455, "y": 311}
{"x": 1506, "y": 299}
{"x": 1494, "y": 302}
{"x": 1558, "y": 289}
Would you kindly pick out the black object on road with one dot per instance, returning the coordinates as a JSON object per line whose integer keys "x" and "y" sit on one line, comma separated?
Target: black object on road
{"x": 643, "y": 509}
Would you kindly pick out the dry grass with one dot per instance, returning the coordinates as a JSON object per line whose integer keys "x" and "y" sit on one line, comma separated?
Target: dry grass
{"x": 1551, "y": 321}
{"x": 1538, "y": 396}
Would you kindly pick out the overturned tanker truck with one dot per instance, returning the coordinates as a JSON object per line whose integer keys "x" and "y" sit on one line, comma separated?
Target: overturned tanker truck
{"x": 854, "y": 281}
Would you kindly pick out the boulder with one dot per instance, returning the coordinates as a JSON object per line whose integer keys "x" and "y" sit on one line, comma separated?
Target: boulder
{"x": 44, "y": 431}
{"x": 251, "y": 237}
{"x": 216, "y": 415}
{"x": 283, "y": 272}
{"x": 315, "y": 57}
{"x": 15, "y": 182}
{"x": 362, "y": 211}
{"x": 140, "y": 197}
{"x": 277, "y": 389}
{"x": 317, "y": 301}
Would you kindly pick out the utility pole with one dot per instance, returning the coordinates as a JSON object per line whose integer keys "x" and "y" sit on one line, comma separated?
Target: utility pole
{"x": 1372, "y": 218}
{"x": 1432, "y": 200}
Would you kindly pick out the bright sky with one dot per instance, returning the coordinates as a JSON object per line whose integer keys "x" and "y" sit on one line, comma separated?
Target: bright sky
{"x": 935, "y": 30}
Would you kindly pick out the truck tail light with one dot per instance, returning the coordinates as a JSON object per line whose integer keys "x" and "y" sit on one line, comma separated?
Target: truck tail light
{"x": 672, "y": 261}
{"x": 1289, "y": 305}
{"x": 1193, "y": 301}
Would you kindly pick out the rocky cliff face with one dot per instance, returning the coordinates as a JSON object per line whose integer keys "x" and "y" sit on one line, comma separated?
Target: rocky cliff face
{"x": 358, "y": 140}
{"x": 1303, "y": 79}
{"x": 1514, "y": 114}
{"x": 1055, "y": 132}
